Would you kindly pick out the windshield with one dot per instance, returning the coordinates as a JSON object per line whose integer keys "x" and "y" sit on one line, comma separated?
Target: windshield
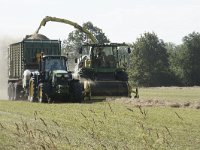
{"x": 105, "y": 56}
{"x": 55, "y": 64}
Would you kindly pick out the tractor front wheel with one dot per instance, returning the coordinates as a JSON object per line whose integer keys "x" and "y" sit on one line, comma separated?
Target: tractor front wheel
{"x": 32, "y": 90}
{"x": 43, "y": 93}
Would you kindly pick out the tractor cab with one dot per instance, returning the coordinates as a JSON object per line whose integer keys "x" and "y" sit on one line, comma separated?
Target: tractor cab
{"x": 54, "y": 67}
{"x": 51, "y": 63}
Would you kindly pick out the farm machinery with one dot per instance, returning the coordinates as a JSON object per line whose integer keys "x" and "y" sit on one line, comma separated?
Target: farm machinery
{"x": 102, "y": 70}
{"x": 38, "y": 77}
{"x": 99, "y": 75}
{"x": 53, "y": 82}
{"x": 99, "y": 72}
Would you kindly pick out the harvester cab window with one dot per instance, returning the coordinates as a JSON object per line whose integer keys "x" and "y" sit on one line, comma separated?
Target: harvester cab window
{"x": 105, "y": 57}
{"x": 123, "y": 56}
{"x": 100, "y": 57}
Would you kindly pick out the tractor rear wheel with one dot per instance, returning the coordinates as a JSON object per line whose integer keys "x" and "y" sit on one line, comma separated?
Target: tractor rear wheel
{"x": 77, "y": 92}
{"x": 32, "y": 90}
{"x": 43, "y": 92}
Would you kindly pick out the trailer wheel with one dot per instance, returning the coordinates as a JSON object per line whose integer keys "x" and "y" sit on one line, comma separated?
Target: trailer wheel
{"x": 32, "y": 90}
{"x": 43, "y": 93}
{"x": 10, "y": 91}
{"x": 77, "y": 92}
{"x": 16, "y": 91}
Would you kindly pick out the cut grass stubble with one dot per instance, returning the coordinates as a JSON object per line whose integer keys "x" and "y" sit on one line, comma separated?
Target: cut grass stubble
{"x": 105, "y": 125}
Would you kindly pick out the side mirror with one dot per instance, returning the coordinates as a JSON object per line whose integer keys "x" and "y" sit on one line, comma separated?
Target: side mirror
{"x": 81, "y": 50}
{"x": 76, "y": 60}
{"x": 129, "y": 50}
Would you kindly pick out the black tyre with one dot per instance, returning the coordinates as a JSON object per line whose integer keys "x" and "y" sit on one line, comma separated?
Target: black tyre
{"x": 77, "y": 92}
{"x": 16, "y": 91}
{"x": 10, "y": 90}
{"x": 32, "y": 95}
{"x": 43, "y": 92}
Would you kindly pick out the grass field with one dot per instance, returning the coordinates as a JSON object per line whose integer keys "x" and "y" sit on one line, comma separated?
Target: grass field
{"x": 183, "y": 94}
{"x": 100, "y": 125}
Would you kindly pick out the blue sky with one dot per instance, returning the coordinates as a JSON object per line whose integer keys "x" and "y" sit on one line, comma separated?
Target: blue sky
{"x": 121, "y": 20}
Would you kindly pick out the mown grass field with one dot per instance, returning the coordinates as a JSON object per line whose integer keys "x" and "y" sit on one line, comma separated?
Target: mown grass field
{"x": 182, "y": 94}
{"x": 100, "y": 125}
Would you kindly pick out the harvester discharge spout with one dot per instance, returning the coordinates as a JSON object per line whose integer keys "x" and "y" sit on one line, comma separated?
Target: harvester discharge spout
{"x": 65, "y": 21}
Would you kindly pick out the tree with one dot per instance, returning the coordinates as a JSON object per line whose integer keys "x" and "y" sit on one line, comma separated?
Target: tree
{"x": 175, "y": 53}
{"x": 149, "y": 61}
{"x": 76, "y": 38}
{"x": 190, "y": 55}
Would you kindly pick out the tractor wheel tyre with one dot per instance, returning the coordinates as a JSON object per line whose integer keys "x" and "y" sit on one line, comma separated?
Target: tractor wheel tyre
{"x": 32, "y": 96}
{"x": 77, "y": 92}
{"x": 43, "y": 93}
{"x": 10, "y": 91}
{"x": 16, "y": 91}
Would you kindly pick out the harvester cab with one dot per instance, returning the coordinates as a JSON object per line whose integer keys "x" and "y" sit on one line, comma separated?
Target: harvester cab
{"x": 54, "y": 81}
{"x": 105, "y": 56}
{"x": 102, "y": 70}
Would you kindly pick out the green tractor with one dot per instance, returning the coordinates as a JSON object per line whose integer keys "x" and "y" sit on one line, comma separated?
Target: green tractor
{"x": 102, "y": 70}
{"x": 53, "y": 82}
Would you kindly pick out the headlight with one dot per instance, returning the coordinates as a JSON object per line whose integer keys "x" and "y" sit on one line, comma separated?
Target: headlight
{"x": 58, "y": 75}
{"x": 62, "y": 75}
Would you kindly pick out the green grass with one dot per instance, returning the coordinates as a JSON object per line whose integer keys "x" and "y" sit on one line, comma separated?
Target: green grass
{"x": 183, "y": 94}
{"x": 102, "y": 125}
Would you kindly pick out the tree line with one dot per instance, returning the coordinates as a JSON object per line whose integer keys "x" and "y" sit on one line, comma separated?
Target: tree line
{"x": 153, "y": 62}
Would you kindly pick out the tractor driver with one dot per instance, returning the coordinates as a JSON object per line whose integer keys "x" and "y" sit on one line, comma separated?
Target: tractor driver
{"x": 101, "y": 59}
